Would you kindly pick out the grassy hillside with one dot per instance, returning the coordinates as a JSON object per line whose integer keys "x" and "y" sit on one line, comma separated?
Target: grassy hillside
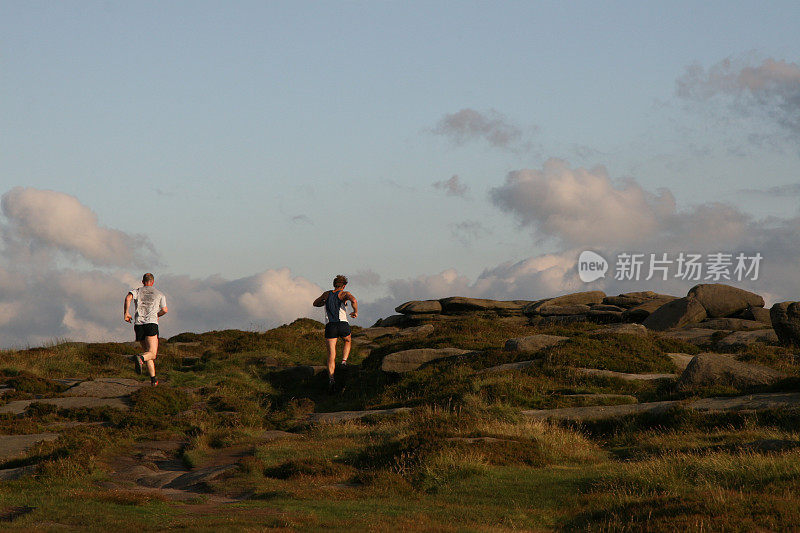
{"x": 463, "y": 457}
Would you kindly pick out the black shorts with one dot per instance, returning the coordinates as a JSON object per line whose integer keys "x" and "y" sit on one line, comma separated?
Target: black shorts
{"x": 334, "y": 330}
{"x": 145, "y": 330}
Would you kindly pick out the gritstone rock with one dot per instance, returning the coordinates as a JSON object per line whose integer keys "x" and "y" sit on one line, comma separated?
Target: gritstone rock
{"x": 785, "y": 318}
{"x": 675, "y": 314}
{"x": 533, "y": 343}
{"x": 718, "y": 369}
{"x": 408, "y": 360}
{"x": 720, "y": 300}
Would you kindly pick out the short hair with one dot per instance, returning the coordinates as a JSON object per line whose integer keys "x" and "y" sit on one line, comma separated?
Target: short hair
{"x": 339, "y": 281}
{"x": 148, "y": 278}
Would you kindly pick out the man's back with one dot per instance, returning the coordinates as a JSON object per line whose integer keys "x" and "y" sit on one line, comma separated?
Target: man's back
{"x": 149, "y": 302}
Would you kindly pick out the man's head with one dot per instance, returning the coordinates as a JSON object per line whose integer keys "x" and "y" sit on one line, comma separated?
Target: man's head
{"x": 148, "y": 279}
{"x": 339, "y": 281}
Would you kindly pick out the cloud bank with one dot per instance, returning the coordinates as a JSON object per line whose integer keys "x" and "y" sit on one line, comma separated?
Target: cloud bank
{"x": 42, "y": 301}
{"x": 452, "y": 187}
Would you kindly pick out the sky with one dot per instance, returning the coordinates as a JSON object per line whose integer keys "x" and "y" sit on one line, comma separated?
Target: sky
{"x": 247, "y": 152}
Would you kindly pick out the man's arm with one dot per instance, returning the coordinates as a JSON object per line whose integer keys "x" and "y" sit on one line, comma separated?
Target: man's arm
{"x": 163, "y": 311}
{"x": 349, "y": 297}
{"x": 125, "y": 314}
{"x": 319, "y": 302}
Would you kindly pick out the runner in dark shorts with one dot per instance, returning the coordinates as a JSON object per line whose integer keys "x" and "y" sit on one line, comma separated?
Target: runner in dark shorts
{"x": 336, "y": 325}
{"x": 150, "y": 304}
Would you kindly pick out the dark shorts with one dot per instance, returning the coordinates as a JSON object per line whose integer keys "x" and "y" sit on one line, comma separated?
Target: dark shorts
{"x": 334, "y": 330}
{"x": 145, "y": 330}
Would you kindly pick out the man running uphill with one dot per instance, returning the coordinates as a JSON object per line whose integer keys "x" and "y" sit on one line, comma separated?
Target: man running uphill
{"x": 336, "y": 325}
{"x": 150, "y": 304}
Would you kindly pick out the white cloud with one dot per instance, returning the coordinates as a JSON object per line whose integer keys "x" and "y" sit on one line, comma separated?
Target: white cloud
{"x": 44, "y": 221}
{"x": 582, "y": 207}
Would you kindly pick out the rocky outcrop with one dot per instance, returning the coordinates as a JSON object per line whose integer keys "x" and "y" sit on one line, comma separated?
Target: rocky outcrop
{"x": 746, "y": 338}
{"x": 675, "y": 314}
{"x": 785, "y": 317}
{"x": 408, "y": 360}
{"x": 628, "y": 300}
{"x": 717, "y": 369}
{"x": 419, "y": 307}
{"x": 586, "y": 298}
{"x": 639, "y": 312}
{"x": 533, "y": 343}
{"x": 697, "y": 336}
{"x": 720, "y": 300}
{"x": 733, "y": 324}
{"x": 757, "y": 313}
{"x": 460, "y": 304}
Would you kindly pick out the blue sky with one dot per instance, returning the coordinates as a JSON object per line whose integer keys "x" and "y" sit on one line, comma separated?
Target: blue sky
{"x": 248, "y": 137}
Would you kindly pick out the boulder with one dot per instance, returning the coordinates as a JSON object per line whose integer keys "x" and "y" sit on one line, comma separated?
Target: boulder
{"x": 606, "y": 307}
{"x": 408, "y": 360}
{"x": 680, "y": 360}
{"x": 394, "y": 321}
{"x": 675, "y": 314}
{"x": 785, "y": 317}
{"x": 578, "y": 298}
{"x": 632, "y": 299}
{"x": 375, "y": 333}
{"x": 424, "y": 330}
{"x": 757, "y": 313}
{"x": 419, "y": 307}
{"x": 746, "y": 338}
{"x": 604, "y": 317}
{"x": 717, "y": 369}
{"x": 532, "y": 343}
{"x": 460, "y": 305}
{"x": 733, "y": 324}
{"x": 720, "y": 300}
{"x": 560, "y": 310}
{"x": 639, "y": 312}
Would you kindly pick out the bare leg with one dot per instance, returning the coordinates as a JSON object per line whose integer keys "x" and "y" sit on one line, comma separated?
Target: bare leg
{"x": 331, "y": 355}
{"x": 150, "y": 346}
{"x": 346, "y": 348}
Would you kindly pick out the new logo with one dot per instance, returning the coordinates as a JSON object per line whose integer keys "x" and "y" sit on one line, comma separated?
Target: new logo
{"x": 591, "y": 266}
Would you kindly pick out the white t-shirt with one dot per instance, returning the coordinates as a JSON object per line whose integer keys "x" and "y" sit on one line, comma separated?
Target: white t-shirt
{"x": 148, "y": 302}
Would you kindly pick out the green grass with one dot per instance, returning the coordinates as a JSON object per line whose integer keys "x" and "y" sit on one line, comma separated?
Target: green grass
{"x": 463, "y": 459}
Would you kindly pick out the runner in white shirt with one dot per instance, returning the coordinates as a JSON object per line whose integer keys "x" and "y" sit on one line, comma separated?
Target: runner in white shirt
{"x": 150, "y": 304}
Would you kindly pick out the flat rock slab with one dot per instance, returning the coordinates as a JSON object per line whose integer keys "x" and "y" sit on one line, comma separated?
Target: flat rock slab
{"x": 10, "y": 474}
{"x": 12, "y": 446}
{"x": 599, "y": 412}
{"x": 409, "y": 360}
{"x": 533, "y": 343}
{"x": 18, "y": 407}
{"x": 749, "y": 403}
{"x": 624, "y": 375}
{"x": 696, "y": 336}
{"x": 602, "y": 396}
{"x": 519, "y": 365}
{"x": 105, "y": 388}
{"x": 763, "y": 336}
{"x": 201, "y": 475}
{"x": 342, "y": 416}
